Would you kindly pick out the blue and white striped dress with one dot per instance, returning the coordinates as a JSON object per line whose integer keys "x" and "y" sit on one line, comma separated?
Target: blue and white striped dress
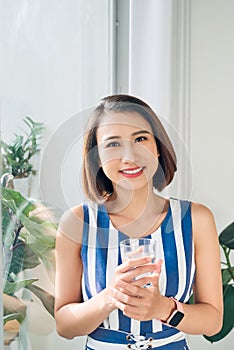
{"x": 101, "y": 255}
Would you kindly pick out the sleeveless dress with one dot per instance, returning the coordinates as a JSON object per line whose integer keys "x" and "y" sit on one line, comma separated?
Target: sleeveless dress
{"x": 101, "y": 255}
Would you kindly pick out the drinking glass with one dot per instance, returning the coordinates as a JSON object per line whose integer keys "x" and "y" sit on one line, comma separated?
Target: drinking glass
{"x": 133, "y": 248}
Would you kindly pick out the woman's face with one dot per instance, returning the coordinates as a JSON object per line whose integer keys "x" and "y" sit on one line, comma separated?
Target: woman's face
{"x": 127, "y": 150}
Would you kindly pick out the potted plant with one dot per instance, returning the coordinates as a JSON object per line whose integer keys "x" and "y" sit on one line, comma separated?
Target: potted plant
{"x": 17, "y": 156}
{"x": 28, "y": 240}
{"x": 226, "y": 241}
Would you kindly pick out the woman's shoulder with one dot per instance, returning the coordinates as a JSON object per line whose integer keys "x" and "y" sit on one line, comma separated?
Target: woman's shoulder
{"x": 197, "y": 209}
{"x": 71, "y": 223}
{"x": 201, "y": 211}
{"x": 203, "y": 221}
{"x": 72, "y": 220}
{"x": 78, "y": 212}
{"x": 201, "y": 215}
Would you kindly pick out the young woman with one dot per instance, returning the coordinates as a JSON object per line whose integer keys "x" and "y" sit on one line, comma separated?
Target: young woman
{"x": 127, "y": 157}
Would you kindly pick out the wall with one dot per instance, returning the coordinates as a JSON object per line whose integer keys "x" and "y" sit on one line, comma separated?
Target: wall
{"x": 212, "y": 117}
{"x": 212, "y": 109}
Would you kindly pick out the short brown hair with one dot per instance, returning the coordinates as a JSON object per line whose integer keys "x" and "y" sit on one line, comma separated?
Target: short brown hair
{"x": 97, "y": 186}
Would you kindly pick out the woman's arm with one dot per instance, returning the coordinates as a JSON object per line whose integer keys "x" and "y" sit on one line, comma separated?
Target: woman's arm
{"x": 73, "y": 316}
{"x": 206, "y": 316}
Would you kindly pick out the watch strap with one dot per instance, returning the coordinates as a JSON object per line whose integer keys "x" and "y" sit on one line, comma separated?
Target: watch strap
{"x": 179, "y": 308}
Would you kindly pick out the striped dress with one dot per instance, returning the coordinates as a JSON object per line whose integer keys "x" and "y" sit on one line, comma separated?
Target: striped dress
{"x": 101, "y": 255}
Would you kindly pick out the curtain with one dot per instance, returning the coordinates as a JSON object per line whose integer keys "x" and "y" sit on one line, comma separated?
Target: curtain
{"x": 159, "y": 41}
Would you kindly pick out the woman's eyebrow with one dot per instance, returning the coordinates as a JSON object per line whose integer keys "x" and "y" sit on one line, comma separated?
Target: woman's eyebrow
{"x": 141, "y": 132}
{"x": 112, "y": 137}
{"x": 135, "y": 133}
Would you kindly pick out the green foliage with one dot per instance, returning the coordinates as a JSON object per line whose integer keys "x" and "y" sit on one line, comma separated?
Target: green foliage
{"x": 14, "y": 316}
{"x": 46, "y": 298}
{"x": 28, "y": 241}
{"x": 16, "y": 156}
{"x": 226, "y": 240}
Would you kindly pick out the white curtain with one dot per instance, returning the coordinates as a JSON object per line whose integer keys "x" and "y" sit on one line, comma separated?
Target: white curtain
{"x": 159, "y": 39}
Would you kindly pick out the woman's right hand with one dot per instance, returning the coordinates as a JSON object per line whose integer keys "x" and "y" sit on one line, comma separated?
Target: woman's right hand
{"x": 136, "y": 291}
{"x": 128, "y": 272}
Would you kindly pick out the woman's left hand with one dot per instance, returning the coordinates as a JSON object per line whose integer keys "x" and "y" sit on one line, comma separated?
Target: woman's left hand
{"x": 137, "y": 301}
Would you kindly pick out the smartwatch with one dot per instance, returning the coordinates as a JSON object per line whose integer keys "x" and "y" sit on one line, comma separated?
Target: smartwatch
{"x": 176, "y": 316}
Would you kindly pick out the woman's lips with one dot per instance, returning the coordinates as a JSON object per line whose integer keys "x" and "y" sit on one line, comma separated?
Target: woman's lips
{"x": 132, "y": 172}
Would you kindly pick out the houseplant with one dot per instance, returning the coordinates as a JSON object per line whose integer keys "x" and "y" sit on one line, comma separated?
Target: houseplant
{"x": 18, "y": 155}
{"x": 28, "y": 241}
{"x": 226, "y": 241}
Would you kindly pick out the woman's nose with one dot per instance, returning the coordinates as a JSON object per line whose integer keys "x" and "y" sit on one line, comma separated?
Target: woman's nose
{"x": 129, "y": 153}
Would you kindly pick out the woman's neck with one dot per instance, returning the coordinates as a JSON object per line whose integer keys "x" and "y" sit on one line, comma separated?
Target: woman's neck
{"x": 137, "y": 213}
{"x": 132, "y": 204}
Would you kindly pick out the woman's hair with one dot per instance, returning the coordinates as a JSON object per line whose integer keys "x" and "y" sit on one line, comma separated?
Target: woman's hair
{"x": 97, "y": 186}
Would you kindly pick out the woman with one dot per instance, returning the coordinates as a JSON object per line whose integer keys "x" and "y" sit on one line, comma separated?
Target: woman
{"x": 127, "y": 157}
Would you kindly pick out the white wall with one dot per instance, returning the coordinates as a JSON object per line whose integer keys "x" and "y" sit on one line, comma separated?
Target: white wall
{"x": 212, "y": 117}
{"x": 212, "y": 108}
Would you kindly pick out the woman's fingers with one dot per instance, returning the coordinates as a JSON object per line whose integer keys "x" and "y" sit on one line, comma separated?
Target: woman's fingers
{"x": 138, "y": 272}
{"x": 127, "y": 288}
{"x": 151, "y": 280}
{"x": 125, "y": 298}
{"x": 131, "y": 263}
{"x": 128, "y": 294}
{"x": 158, "y": 266}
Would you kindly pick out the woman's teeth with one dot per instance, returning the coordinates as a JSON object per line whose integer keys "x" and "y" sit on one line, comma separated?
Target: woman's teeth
{"x": 132, "y": 172}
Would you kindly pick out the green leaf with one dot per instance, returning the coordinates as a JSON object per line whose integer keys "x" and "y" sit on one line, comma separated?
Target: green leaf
{"x": 46, "y": 298}
{"x": 46, "y": 255}
{"x": 17, "y": 155}
{"x": 226, "y": 237}
{"x": 30, "y": 258}
{"x": 15, "y": 316}
{"x": 37, "y": 233}
{"x": 6, "y": 219}
{"x": 23, "y": 258}
{"x": 226, "y": 275}
{"x": 17, "y": 258}
{"x": 228, "y": 319}
{"x": 11, "y": 288}
{"x": 40, "y": 232}
{"x": 16, "y": 202}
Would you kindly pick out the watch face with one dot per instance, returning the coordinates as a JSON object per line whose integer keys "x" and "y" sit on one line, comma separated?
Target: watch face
{"x": 176, "y": 319}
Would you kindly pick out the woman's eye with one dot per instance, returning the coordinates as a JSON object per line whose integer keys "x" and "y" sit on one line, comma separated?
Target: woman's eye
{"x": 113, "y": 144}
{"x": 140, "y": 139}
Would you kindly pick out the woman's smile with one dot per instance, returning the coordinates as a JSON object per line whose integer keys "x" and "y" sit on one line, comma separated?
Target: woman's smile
{"x": 132, "y": 172}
